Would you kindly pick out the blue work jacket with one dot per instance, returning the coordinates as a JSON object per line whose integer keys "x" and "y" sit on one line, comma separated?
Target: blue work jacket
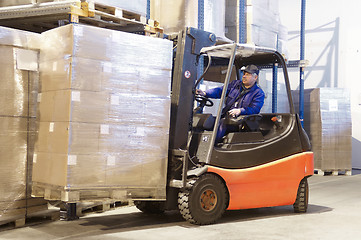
{"x": 250, "y": 103}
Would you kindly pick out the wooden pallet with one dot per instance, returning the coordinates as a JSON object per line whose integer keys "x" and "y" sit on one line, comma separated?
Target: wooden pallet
{"x": 109, "y": 13}
{"x": 102, "y": 194}
{"x": 27, "y": 215}
{"x": 50, "y": 192}
{"x": 36, "y": 217}
{"x": 84, "y": 208}
{"x": 346, "y": 172}
{"x": 153, "y": 29}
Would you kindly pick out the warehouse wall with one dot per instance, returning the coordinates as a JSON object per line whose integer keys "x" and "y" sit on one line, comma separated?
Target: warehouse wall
{"x": 333, "y": 49}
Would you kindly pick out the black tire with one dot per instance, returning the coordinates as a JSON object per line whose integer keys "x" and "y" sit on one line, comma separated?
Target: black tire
{"x": 301, "y": 203}
{"x": 205, "y": 202}
{"x": 150, "y": 207}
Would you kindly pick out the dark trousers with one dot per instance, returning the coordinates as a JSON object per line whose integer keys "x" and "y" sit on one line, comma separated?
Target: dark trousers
{"x": 224, "y": 129}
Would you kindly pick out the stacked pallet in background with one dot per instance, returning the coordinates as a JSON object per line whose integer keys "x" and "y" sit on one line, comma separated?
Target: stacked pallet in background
{"x": 137, "y": 6}
{"x": 327, "y": 121}
{"x": 104, "y": 109}
{"x": 18, "y": 85}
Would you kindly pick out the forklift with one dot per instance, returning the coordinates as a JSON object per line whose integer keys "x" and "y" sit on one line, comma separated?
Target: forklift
{"x": 265, "y": 164}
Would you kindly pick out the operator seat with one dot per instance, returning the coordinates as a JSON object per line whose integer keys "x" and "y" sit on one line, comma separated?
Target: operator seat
{"x": 245, "y": 123}
{"x": 248, "y": 129}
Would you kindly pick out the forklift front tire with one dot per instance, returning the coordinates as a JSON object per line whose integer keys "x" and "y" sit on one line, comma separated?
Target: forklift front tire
{"x": 301, "y": 203}
{"x": 205, "y": 202}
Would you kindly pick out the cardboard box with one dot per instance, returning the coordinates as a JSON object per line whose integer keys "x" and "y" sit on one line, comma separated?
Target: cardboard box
{"x": 118, "y": 138}
{"x": 139, "y": 109}
{"x": 72, "y": 105}
{"x": 69, "y": 170}
{"x": 71, "y": 73}
{"x": 18, "y": 87}
{"x": 68, "y": 138}
{"x": 19, "y": 38}
{"x": 138, "y": 170}
{"x": 13, "y": 152}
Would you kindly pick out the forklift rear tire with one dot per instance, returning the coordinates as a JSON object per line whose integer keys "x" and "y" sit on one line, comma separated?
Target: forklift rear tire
{"x": 301, "y": 203}
{"x": 205, "y": 202}
{"x": 150, "y": 207}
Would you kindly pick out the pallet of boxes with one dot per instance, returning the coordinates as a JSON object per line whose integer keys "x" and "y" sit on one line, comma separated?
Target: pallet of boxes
{"x": 327, "y": 121}
{"x": 103, "y": 115}
{"x": 19, "y": 79}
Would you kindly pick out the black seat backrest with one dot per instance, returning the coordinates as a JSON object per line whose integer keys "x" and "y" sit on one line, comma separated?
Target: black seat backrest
{"x": 203, "y": 121}
{"x": 245, "y": 122}
{"x": 252, "y": 122}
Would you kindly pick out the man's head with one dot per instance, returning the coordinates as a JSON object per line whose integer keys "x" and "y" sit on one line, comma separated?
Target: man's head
{"x": 250, "y": 75}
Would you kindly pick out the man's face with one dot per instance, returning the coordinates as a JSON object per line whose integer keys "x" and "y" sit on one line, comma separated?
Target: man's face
{"x": 249, "y": 79}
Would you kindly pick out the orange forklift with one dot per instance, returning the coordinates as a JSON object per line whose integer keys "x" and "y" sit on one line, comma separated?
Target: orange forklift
{"x": 266, "y": 163}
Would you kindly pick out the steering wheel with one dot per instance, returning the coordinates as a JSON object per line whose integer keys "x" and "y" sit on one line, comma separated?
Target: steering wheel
{"x": 203, "y": 100}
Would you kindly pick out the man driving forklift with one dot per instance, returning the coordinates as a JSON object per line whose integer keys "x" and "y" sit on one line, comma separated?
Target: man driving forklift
{"x": 244, "y": 97}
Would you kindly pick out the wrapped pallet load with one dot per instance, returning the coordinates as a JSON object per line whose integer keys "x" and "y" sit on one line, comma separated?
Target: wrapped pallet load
{"x": 104, "y": 109}
{"x": 18, "y": 85}
{"x": 327, "y": 120}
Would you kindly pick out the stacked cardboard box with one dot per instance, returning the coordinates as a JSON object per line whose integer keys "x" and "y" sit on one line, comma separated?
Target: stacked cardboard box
{"x": 103, "y": 111}
{"x": 327, "y": 120}
{"x": 263, "y": 24}
{"x": 18, "y": 85}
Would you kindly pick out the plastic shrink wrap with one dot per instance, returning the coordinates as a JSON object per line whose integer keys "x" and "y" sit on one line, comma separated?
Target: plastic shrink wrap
{"x": 104, "y": 109}
{"x": 327, "y": 121}
{"x": 18, "y": 93}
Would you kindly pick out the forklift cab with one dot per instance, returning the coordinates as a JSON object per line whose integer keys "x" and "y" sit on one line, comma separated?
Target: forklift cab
{"x": 264, "y": 163}
{"x": 270, "y": 133}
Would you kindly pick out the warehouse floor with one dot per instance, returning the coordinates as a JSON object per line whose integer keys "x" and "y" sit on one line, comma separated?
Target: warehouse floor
{"x": 334, "y": 213}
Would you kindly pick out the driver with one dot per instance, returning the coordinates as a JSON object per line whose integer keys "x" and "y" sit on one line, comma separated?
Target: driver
{"x": 243, "y": 97}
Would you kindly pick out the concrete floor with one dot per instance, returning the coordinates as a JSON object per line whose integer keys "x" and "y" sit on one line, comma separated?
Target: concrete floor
{"x": 334, "y": 213}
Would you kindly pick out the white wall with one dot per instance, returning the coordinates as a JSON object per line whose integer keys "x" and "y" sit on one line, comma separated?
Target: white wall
{"x": 333, "y": 48}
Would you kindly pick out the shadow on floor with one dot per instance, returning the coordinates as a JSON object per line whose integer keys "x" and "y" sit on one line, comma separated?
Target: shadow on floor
{"x": 140, "y": 221}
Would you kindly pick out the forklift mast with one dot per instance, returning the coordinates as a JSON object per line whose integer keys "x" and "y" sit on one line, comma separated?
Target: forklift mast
{"x": 189, "y": 44}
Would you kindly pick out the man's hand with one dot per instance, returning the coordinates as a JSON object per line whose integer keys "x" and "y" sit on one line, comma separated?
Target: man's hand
{"x": 235, "y": 112}
{"x": 200, "y": 92}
